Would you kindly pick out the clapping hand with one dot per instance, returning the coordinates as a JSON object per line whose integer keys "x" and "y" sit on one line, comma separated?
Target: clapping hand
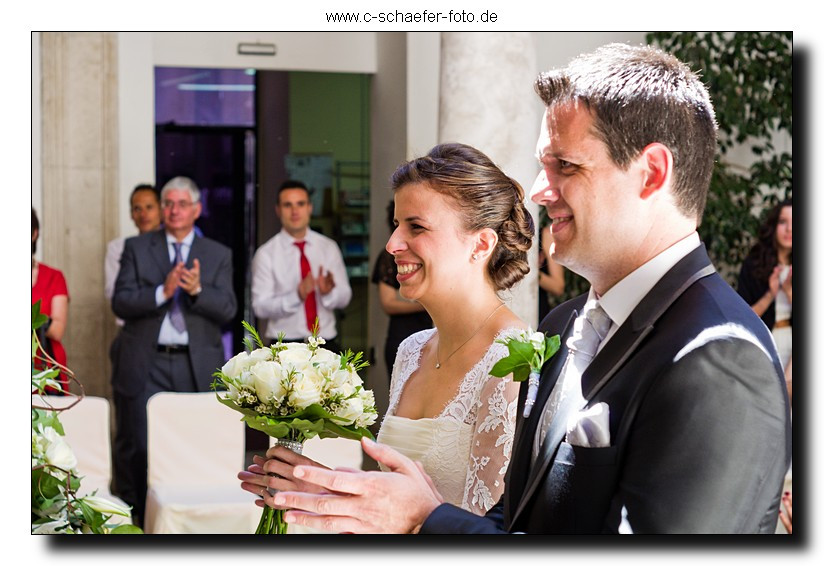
{"x": 774, "y": 281}
{"x": 353, "y": 501}
{"x": 306, "y": 286}
{"x": 190, "y": 278}
{"x": 325, "y": 282}
{"x": 173, "y": 280}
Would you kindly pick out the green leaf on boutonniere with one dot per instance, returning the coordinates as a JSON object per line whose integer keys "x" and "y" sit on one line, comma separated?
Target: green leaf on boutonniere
{"x": 551, "y": 345}
{"x": 526, "y": 354}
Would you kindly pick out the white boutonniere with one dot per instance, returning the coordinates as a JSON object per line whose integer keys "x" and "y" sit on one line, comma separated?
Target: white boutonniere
{"x": 528, "y": 352}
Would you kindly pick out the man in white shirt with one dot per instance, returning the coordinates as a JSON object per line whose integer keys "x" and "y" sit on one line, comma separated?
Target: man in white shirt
{"x": 145, "y": 210}
{"x": 299, "y": 275}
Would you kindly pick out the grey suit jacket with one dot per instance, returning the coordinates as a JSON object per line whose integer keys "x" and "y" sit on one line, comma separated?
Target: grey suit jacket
{"x": 143, "y": 266}
{"x": 699, "y": 424}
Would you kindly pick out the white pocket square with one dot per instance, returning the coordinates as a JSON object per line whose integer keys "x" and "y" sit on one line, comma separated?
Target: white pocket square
{"x": 590, "y": 427}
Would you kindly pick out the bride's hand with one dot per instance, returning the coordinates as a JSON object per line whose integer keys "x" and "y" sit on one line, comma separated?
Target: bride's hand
{"x": 276, "y": 472}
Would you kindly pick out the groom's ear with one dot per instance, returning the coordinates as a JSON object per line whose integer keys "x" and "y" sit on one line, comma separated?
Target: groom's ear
{"x": 485, "y": 242}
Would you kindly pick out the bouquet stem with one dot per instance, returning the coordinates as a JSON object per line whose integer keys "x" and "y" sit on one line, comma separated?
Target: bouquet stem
{"x": 271, "y": 521}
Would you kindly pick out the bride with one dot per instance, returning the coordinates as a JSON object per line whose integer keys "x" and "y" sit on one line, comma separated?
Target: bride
{"x": 462, "y": 235}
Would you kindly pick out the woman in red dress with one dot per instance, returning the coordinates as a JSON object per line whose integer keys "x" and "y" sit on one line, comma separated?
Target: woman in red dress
{"x": 49, "y": 287}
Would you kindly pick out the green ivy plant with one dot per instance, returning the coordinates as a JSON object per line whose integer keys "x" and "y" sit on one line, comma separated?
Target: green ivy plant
{"x": 749, "y": 76}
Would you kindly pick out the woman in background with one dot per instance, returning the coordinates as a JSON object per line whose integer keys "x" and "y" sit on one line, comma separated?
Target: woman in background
{"x": 766, "y": 277}
{"x": 49, "y": 287}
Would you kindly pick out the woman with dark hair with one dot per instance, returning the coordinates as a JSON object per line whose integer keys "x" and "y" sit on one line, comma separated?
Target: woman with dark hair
{"x": 766, "y": 277}
{"x": 461, "y": 238}
{"x": 49, "y": 287}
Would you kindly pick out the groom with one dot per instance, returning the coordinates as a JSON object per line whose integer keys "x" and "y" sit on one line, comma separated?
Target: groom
{"x": 680, "y": 421}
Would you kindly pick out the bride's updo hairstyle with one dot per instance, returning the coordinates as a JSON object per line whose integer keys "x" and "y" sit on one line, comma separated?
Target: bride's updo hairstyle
{"x": 485, "y": 197}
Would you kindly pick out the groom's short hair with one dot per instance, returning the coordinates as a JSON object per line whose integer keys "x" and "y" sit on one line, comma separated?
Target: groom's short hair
{"x": 638, "y": 96}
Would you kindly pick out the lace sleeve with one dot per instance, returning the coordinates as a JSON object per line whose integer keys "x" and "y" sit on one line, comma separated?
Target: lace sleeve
{"x": 491, "y": 444}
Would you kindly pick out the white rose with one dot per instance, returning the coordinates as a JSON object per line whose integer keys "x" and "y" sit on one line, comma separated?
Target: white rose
{"x": 235, "y": 366}
{"x": 350, "y": 410}
{"x": 341, "y": 382}
{"x": 105, "y": 506}
{"x": 268, "y": 381}
{"x": 296, "y": 355}
{"x": 537, "y": 339}
{"x": 306, "y": 391}
{"x": 322, "y": 355}
{"x": 260, "y": 355}
{"x": 58, "y": 451}
{"x": 314, "y": 373}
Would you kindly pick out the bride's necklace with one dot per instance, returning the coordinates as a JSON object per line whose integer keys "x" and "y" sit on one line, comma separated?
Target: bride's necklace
{"x": 437, "y": 350}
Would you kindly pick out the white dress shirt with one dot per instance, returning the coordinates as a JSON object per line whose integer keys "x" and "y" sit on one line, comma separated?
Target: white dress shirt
{"x": 275, "y": 280}
{"x": 168, "y": 335}
{"x": 624, "y": 296}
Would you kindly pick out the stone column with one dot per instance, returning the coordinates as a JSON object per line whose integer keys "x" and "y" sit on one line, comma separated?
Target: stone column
{"x": 79, "y": 174}
{"x": 487, "y": 101}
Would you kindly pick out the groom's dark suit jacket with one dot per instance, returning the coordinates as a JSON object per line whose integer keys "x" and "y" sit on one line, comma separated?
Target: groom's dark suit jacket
{"x": 698, "y": 416}
{"x": 143, "y": 266}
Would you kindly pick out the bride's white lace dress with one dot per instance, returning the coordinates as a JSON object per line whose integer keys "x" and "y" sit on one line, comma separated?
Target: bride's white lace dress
{"x": 467, "y": 447}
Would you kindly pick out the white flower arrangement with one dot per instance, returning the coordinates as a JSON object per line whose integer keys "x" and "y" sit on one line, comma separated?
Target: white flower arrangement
{"x": 297, "y": 390}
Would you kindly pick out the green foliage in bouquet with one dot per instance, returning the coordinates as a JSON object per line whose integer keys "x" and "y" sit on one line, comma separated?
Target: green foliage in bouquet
{"x": 56, "y": 507}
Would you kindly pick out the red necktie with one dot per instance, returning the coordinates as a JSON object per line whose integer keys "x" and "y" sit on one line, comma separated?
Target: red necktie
{"x": 309, "y": 305}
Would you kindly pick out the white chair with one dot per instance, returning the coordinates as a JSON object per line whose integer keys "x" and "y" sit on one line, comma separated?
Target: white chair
{"x": 196, "y": 449}
{"x": 87, "y": 431}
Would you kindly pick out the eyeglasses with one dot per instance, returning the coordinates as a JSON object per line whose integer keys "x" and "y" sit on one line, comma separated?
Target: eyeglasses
{"x": 182, "y": 204}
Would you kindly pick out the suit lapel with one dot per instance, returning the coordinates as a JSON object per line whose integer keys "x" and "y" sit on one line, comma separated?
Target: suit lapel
{"x": 160, "y": 252}
{"x": 641, "y": 321}
{"x": 604, "y": 366}
{"x": 522, "y": 446}
{"x": 195, "y": 252}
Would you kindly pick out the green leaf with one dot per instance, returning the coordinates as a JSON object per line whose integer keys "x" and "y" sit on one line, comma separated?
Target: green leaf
{"x": 520, "y": 373}
{"x": 255, "y": 336}
{"x": 552, "y": 345}
{"x": 38, "y": 319}
{"x": 505, "y": 366}
{"x": 126, "y": 530}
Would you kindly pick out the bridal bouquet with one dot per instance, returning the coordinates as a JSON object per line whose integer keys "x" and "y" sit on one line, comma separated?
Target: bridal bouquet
{"x": 294, "y": 392}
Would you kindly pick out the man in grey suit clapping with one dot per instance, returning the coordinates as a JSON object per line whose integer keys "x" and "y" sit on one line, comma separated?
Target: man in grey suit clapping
{"x": 174, "y": 290}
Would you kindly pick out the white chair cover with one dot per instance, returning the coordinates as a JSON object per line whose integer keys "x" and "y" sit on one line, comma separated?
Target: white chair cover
{"x": 87, "y": 428}
{"x": 196, "y": 449}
